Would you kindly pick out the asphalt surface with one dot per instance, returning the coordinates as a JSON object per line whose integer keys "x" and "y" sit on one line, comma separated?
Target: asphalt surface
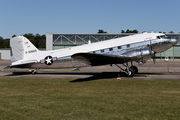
{"x": 161, "y": 70}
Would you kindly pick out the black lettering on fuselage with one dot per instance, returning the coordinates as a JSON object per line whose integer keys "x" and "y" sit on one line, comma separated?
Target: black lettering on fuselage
{"x": 32, "y": 51}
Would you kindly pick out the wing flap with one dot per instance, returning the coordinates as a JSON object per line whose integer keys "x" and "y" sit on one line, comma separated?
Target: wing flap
{"x": 100, "y": 59}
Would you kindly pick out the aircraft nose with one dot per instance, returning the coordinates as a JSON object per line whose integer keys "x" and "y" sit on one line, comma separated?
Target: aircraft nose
{"x": 174, "y": 41}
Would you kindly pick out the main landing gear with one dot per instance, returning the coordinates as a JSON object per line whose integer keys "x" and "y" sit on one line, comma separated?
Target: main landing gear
{"x": 130, "y": 71}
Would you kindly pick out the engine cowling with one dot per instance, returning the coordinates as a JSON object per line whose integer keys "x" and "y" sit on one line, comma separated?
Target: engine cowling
{"x": 139, "y": 54}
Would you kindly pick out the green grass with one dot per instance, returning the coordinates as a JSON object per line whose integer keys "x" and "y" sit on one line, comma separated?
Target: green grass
{"x": 39, "y": 98}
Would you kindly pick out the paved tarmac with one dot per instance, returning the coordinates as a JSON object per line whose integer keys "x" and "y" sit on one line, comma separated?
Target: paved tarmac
{"x": 161, "y": 70}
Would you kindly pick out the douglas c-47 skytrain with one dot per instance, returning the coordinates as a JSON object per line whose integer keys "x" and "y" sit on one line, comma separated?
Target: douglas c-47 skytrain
{"x": 138, "y": 47}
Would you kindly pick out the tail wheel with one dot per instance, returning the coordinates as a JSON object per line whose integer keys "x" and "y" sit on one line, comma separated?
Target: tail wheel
{"x": 33, "y": 72}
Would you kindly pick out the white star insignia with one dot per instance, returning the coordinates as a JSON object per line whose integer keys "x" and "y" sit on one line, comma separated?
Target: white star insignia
{"x": 48, "y": 60}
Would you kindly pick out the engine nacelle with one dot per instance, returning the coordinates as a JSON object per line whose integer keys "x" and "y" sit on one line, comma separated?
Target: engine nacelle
{"x": 139, "y": 54}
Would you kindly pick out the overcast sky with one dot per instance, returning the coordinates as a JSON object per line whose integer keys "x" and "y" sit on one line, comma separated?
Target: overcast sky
{"x": 87, "y": 16}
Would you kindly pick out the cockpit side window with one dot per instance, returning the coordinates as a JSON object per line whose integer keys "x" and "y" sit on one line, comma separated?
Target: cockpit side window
{"x": 158, "y": 37}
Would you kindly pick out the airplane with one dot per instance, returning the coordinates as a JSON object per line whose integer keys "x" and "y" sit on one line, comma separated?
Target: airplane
{"x": 139, "y": 48}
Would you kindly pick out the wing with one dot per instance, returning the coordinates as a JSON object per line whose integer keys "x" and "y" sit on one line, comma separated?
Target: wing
{"x": 100, "y": 59}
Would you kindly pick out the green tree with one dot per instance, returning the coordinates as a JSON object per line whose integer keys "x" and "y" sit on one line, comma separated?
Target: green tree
{"x": 6, "y": 43}
{"x": 129, "y": 31}
{"x": 122, "y": 31}
{"x": 171, "y": 32}
{"x": 29, "y": 36}
{"x": 43, "y": 44}
{"x": 38, "y": 40}
{"x": 133, "y": 31}
{"x": 1, "y": 42}
{"x": 13, "y": 36}
{"x": 101, "y": 31}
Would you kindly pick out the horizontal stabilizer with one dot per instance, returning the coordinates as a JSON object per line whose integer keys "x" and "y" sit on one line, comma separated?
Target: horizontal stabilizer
{"x": 26, "y": 65}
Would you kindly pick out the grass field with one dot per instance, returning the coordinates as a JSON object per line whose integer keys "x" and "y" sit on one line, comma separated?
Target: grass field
{"x": 39, "y": 98}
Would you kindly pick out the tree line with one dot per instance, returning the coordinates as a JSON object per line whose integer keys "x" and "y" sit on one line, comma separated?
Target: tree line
{"x": 128, "y": 31}
{"x": 122, "y": 31}
{"x": 38, "y": 40}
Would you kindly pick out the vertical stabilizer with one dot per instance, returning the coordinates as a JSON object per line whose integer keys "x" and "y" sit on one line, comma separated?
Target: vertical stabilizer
{"x": 21, "y": 48}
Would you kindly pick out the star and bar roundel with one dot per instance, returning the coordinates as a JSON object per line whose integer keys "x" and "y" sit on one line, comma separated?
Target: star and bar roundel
{"x": 48, "y": 60}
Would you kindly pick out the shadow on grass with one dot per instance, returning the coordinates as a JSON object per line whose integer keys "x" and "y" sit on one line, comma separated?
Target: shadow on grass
{"x": 81, "y": 76}
{"x": 102, "y": 75}
{"x": 110, "y": 75}
{"x": 85, "y": 76}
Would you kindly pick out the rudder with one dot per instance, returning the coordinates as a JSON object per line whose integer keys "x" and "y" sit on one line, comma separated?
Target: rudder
{"x": 20, "y": 48}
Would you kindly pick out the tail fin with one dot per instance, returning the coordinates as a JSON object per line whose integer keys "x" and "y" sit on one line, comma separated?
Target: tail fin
{"x": 20, "y": 48}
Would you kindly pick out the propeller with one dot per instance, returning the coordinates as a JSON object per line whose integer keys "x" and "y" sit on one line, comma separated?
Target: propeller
{"x": 153, "y": 53}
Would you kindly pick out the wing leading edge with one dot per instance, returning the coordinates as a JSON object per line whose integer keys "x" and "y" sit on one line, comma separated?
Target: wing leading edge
{"x": 100, "y": 59}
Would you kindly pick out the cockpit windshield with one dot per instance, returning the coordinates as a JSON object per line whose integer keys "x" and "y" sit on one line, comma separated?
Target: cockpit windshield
{"x": 161, "y": 37}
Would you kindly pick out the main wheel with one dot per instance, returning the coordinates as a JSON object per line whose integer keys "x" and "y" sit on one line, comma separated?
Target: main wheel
{"x": 135, "y": 69}
{"x": 131, "y": 72}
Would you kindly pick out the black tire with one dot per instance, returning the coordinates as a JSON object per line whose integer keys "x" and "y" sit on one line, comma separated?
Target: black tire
{"x": 131, "y": 73}
{"x": 135, "y": 69}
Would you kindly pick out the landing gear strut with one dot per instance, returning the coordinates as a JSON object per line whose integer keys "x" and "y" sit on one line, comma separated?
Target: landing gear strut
{"x": 130, "y": 71}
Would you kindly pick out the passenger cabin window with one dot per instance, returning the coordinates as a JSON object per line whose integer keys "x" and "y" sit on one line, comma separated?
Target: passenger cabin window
{"x": 119, "y": 47}
{"x": 102, "y": 50}
{"x": 128, "y": 45}
{"x": 110, "y": 49}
